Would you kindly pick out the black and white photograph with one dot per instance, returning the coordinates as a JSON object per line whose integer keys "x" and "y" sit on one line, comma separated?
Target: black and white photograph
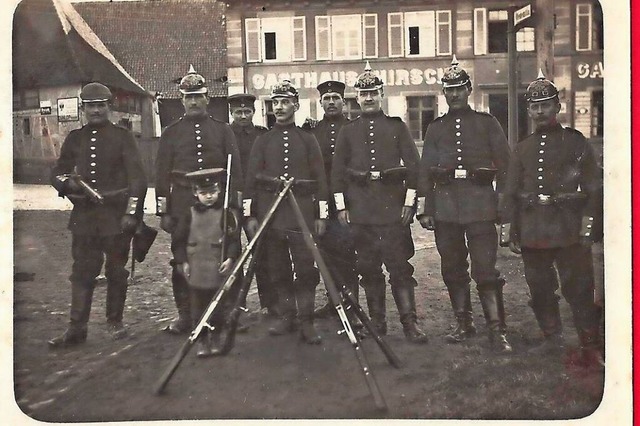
{"x": 346, "y": 210}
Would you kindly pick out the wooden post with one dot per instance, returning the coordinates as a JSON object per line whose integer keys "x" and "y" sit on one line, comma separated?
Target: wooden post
{"x": 545, "y": 27}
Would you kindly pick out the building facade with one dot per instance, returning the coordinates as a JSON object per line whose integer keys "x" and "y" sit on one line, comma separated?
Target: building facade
{"x": 410, "y": 43}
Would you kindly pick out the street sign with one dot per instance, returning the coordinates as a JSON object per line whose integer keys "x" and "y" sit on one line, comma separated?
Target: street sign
{"x": 45, "y": 107}
{"x": 522, "y": 14}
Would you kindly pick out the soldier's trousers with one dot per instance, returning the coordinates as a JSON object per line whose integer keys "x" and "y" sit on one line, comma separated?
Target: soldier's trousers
{"x": 338, "y": 251}
{"x": 390, "y": 245}
{"x": 89, "y": 252}
{"x": 266, "y": 288}
{"x": 456, "y": 242}
{"x": 284, "y": 248}
{"x": 575, "y": 269}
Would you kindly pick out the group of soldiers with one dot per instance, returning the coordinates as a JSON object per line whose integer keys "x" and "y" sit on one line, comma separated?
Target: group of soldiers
{"x": 359, "y": 184}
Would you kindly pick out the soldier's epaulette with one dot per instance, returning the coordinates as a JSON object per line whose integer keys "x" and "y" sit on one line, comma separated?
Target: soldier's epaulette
{"x": 574, "y": 131}
{"x": 219, "y": 121}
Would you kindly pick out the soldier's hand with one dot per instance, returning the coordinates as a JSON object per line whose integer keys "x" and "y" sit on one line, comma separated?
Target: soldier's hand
{"x": 311, "y": 122}
{"x": 252, "y": 227}
{"x": 226, "y": 266}
{"x": 427, "y": 222}
{"x": 320, "y": 226}
{"x": 407, "y": 215}
{"x": 343, "y": 217}
{"x": 72, "y": 186}
{"x": 167, "y": 223}
{"x": 128, "y": 223}
{"x": 514, "y": 246}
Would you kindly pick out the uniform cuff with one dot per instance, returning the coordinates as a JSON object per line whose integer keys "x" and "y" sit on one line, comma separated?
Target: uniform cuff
{"x": 422, "y": 206}
{"x": 410, "y": 198}
{"x": 323, "y": 209}
{"x": 587, "y": 225}
{"x": 505, "y": 234}
{"x": 246, "y": 208}
{"x": 338, "y": 197}
{"x": 161, "y": 205}
{"x": 132, "y": 205}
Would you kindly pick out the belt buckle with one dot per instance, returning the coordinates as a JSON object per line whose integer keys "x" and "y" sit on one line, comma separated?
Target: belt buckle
{"x": 375, "y": 175}
{"x": 544, "y": 200}
{"x": 460, "y": 174}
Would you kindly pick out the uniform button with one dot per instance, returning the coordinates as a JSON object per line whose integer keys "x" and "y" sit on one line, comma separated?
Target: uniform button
{"x": 93, "y": 148}
{"x": 458, "y": 134}
{"x": 333, "y": 139}
{"x": 333, "y": 132}
{"x": 370, "y": 121}
{"x": 544, "y": 136}
{"x": 286, "y": 138}
{"x": 286, "y": 151}
{"x": 93, "y": 181}
{"x": 200, "y": 168}
{"x": 93, "y": 172}
{"x": 539, "y": 177}
{"x": 540, "y": 160}
{"x": 198, "y": 138}
{"x": 285, "y": 132}
{"x": 541, "y": 151}
{"x": 371, "y": 127}
{"x": 199, "y": 160}
{"x": 457, "y": 126}
{"x": 540, "y": 186}
{"x": 93, "y": 139}
{"x": 540, "y": 169}
{"x": 458, "y": 142}
{"x": 286, "y": 144}
{"x": 199, "y": 153}
{"x": 198, "y": 132}
{"x": 459, "y": 158}
{"x": 459, "y": 150}
{"x": 373, "y": 167}
{"x": 373, "y": 158}
{"x": 93, "y": 164}
{"x": 333, "y": 125}
{"x": 457, "y": 120}
{"x": 197, "y": 124}
{"x": 459, "y": 166}
{"x": 373, "y": 151}
{"x": 371, "y": 134}
{"x": 542, "y": 143}
{"x": 286, "y": 175}
{"x": 332, "y": 146}
{"x": 199, "y": 145}
{"x": 286, "y": 158}
{"x": 286, "y": 166}
{"x": 94, "y": 132}
{"x": 93, "y": 156}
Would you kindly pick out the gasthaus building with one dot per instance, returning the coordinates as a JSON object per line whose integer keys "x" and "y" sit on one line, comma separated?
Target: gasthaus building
{"x": 410, "y": 43}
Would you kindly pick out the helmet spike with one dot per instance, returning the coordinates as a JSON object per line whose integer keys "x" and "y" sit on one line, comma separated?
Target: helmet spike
{"x": 367, "y": 67}
{"x": 191, "y": 69}
{"x": 540, "y": 74}
{"x": 454, "y": 61}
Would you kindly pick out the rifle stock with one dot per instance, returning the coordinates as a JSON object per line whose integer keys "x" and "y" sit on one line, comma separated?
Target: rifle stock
{"x": 203, "y": 322}
{"x": 335, "y": 299}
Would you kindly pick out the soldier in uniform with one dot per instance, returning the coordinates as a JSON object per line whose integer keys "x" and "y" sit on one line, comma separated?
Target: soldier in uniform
{"x": 286, "y": 152}
{"x": 552, "y": 197}
{"x": 242, "y": 108}
{"x": 464, "y": 151}
{"x": 337, "y": 242}
{"x": 374, "y": 179}
{"x": 106, "y": 158}
{"x": 194, "y": 142}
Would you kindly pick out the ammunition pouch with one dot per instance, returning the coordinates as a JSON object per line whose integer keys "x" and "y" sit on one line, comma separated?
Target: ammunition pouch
{"x": 392, "y": 175}
{"x": 570, "y": 200}
{"x": 479, "y": 176}
{"x": 302, "y": 187}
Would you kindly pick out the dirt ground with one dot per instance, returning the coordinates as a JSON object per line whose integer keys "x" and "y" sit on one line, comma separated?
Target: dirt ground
{"x": 267, "y": 377}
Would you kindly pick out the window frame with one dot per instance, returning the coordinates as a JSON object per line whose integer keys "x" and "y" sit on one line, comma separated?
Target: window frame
{"x": 431, "y": 20}
{"x": 589, "y": 36}
{"x": 254, "y": 29}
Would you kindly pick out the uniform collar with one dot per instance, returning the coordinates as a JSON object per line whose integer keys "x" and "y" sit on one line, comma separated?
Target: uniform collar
{"x": 239, "y": 128}
{"x": 284, "y": 126}
{"x": 548, "y": 129}
{"x": 333, "y": 119}
{"x": 377, "y": 114}
{"x": 459, "y": 112}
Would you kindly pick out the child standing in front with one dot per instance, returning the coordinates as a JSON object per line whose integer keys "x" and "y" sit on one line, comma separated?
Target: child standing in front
{"x": 197, "y": 246}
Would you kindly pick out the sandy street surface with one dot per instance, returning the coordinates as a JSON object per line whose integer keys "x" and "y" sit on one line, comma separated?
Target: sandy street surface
{"x": 274, "y": 377}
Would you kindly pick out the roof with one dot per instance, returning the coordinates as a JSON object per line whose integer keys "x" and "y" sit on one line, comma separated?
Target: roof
{"x": 158, "y": 40}
{"x": 52, "y": 45}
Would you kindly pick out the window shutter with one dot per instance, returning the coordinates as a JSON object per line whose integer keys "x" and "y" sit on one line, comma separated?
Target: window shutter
{"x": 370, "y": 35}
{"x": 323, "y": 38}
{"x": 304, "y": 111}
{"x": 583, "y": 27}
{"x": 299, "y": 39}
{"x": 252, "y": 39}
{"x": 396, "y": 35}
{"x": 480, "y": 31}
{"x": 427, "y": 33}
{"x": 443, "y": 33}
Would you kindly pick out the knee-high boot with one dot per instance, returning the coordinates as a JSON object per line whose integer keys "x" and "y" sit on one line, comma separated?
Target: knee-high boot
{"x": 81, "y": 297}
{"x": 406, "y": 303}
{"x": 305, "y": 297}
{"x": 286, "y": 310}
{"x": 180, "y": 287}
{"x": 493, "y": 307}
{"x": 376, "y": 303}
{"x": 460, "y": 297}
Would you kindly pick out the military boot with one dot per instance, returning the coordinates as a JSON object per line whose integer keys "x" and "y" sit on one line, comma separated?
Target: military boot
{"x": 203, "y": 344}
{"x": 495, "y": 323}
{"x": 306, "y": 300}
{"x": 287, "y": 309}
{"x": 548, "y": 317}
{"x": 116, "y": 297}
{"x": 406, "y": 303}
{"x": 182, "y": 324}
{"x": 377, "y": 304}
{"x": 461, "y": 303}
{"x": 591, "y": 348}
{"x": 76, "y": 333}
{"x": 325, "y": 311}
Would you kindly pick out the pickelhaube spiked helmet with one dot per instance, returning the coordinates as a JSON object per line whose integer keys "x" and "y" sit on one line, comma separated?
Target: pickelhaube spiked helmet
{"x": 192, "y": 83}
{"x": 455, "y": 76}
{"x": 95, "y": 92}
{"x": 284, "y": 89}
{"x": 541, "y": 89}
{"x": 368, "y": 80}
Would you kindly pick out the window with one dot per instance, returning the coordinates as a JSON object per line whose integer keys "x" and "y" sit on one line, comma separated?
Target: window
{"x": 351, "y": 108}
{"x": 26, "y": 99}
{"x": 589, "y": 34}
{"x": 281, "y": 39}
{"x": 490, "y": 33}
{"x": 419, "y": 34}
{"x": 421, "y": 110}
{"x": 126, "y": 102}
{"x": 597, "y": 113}
{"x": 342, "y": 37}
{"x": 26, "y": 126}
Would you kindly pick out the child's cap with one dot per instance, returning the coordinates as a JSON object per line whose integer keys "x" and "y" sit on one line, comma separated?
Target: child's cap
{"x": 207, "y": 178}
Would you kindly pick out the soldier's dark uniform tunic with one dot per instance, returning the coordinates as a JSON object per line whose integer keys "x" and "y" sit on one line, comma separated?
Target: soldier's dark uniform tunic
{"x": 337, "y": 242}
{"x": 367, "y": 148}
{"x": 245, "y": 137}
{"x": 107, "y": 157}
{"x": 456, "y": 147}
{"x": 188, "y": 145}
{"x": 287, "y": 151}
{"x": 547, "y": 214}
